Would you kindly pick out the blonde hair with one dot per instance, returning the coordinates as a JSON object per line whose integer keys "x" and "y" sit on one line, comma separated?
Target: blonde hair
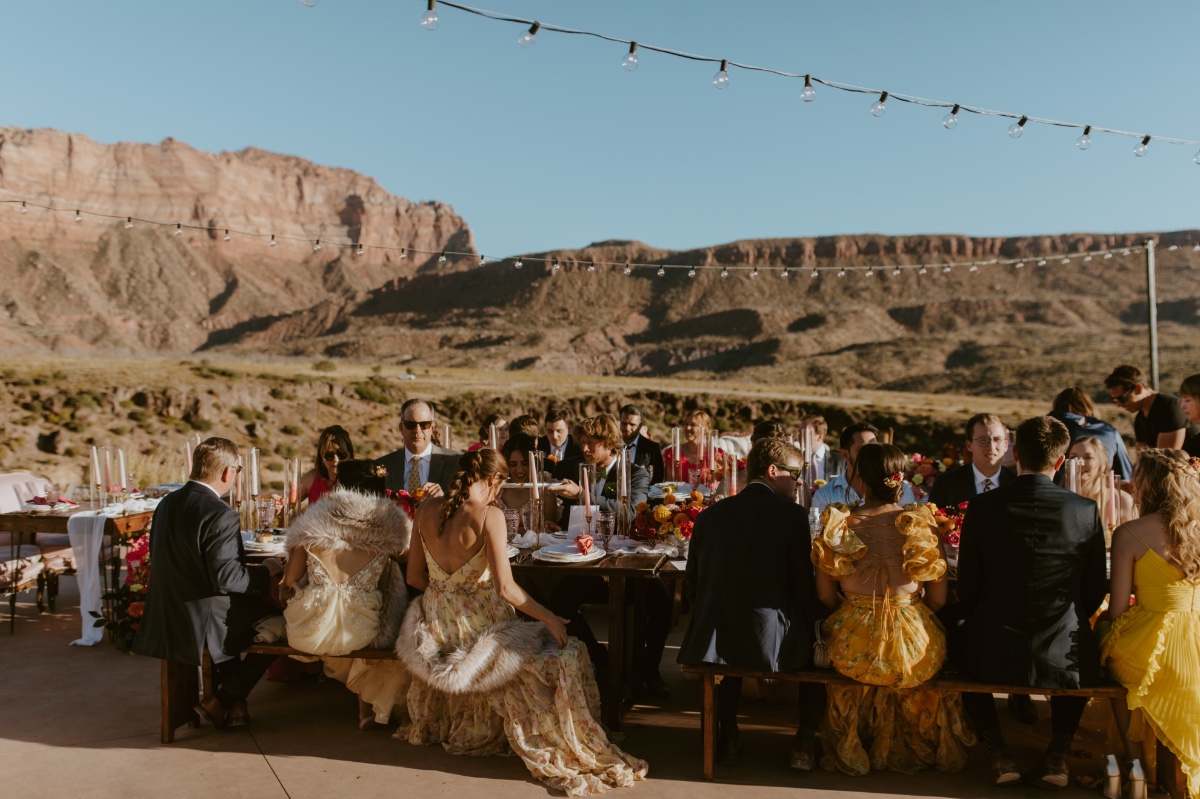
{"x": 212, "y": 457}
{"x": 1166, "y": 482}
{"x": 701, "y": 416}
{"x": 1094, "y": 485}
{"x": 481, "y": 464}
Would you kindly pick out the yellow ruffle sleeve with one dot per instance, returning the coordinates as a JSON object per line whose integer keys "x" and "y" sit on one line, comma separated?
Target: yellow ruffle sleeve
{"x": 836, "y": 549}
{"x": 923, "y": 561}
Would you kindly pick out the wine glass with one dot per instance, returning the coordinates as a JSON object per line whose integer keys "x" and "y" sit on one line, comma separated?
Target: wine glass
{"x": 266, "y": 511}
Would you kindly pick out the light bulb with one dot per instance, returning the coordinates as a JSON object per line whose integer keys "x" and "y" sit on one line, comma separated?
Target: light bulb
{"x": 1196, "y": 248}
{"x": 1172, "y": 248}
{"x": 1107, "y": 255}
{"x": 809, "y": 94}
{"x": 922, "y": 271}
{"x": 630, "y": 62}
{"x": 272, "y": 242}
{"x": 880, "y": 106}
{"x": 529, "y": 38}
{"x": 519, "y": 264}
{"x": 785, "y": 273}
{"x": 403, "y": 253}
{"x": 1017, "y": 128}
{"x": 1019, "y": 265}
{"x": 662, "y": 272}
{"x": 591, "y": 267}
{"x": 226, "y": 237}
{"x": 442, "y": 258}
{"x": 870, "y": 272}
{"x": 946, "y": 269}
{"x": 129, "y": 223}
{"x": 482, "y": 258}
{"x": 23, "y": 209}
{"x": 950, "y": 121}
{"x": 841, "y": 273}
{"x": 1066, "y": 260}
{"x": 1196, "y": 158}
{"x": 721, "y": 79}
{"x": 815, "y": 273}
{"x": 754, "y": 272}
{"x": 1087, "y": 258}
{"x": 430, "y": 21}
{"x": 724, "y": 272}
{"x": 896, "y": 272}
{"x": 974, "y": 267}
{"x": 1142, "y": 148}
{"x": 628, "y": 269}
{"x": 178, "y": 229}
{"x": 554, "y": 267}
{"x": 360, "y": 250}
{"x": 317, "y": 245}
{"x": 1041, "y": 262}
{"x": 1085, "y": 140}
{"x": 692, "y": 272}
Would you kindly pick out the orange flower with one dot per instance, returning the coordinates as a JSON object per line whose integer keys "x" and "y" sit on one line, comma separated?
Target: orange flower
{"x": 136, "y": 609}
{"x": 419, "y": 494}
{"x": 642, "y": 507}
{"x": 670, "y": 499}
{"x": 662, "y": 514}
{"x": 697, "y": 496}
{"x": 680, "y": 518}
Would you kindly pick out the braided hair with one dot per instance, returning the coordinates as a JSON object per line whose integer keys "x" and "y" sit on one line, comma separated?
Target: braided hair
{"x": 481, "y": 464}
{"x": 1167, "y": 483}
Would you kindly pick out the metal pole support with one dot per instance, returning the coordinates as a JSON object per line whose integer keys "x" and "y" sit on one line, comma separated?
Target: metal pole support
{"x": 1152, "y": 313}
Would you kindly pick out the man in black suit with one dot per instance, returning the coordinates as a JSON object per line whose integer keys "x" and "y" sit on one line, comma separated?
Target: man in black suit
{"x": 987, "y": 444}
{"x": 642, "y": 451}
{"x": 750, "y": 610}
{"x": 1030, "y": 574}
{"x": 203, "y": 594}
{"x": 420, "y": 464}
{"x": 558, "y": 444}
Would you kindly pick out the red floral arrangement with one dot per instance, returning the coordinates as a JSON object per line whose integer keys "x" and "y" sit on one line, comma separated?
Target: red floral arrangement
{"x": 950, "y": 523}
{"x": 129, "y": 599}
{"x": 404, "y": 500}
{"x": 673, "y": 518}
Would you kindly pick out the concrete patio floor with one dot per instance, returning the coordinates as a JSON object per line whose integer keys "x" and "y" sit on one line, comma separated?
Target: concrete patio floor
{"x": 83, "y": 722}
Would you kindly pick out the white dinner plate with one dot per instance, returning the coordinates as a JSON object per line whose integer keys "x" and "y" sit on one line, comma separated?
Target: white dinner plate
{"x": 513, "y": 552}
{"x": 567, "y": 553}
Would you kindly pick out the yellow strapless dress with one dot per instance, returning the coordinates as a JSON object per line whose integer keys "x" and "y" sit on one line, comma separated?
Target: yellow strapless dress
{"x": 1153, "y": 649}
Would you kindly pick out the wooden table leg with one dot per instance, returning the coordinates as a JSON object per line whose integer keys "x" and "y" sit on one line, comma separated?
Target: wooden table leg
{"x": 614, "y": 692}
{"x": 708, "y": 724}
{"x": 179, "y": 690}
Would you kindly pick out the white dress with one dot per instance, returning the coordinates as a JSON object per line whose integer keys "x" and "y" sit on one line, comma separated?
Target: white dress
{"x": 327, "y": 617}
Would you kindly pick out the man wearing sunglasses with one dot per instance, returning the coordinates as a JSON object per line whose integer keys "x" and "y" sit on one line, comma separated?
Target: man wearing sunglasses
{"x": 422, "y": 466}
{"x": 1158, "y": 419}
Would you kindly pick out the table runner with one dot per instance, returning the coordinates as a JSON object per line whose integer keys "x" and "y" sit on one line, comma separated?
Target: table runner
{"x": 85, "y": 530}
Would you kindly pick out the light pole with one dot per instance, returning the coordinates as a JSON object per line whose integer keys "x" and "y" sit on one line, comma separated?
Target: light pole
{"x": 1152, "y": 313}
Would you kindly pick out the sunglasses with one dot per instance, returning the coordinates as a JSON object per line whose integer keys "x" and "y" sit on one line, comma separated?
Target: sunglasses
{"x": 1121, "y": 400}
{"x": 794, "y": 471}
{"x": 414, "y": 425}
{"x": 330, "y": 457}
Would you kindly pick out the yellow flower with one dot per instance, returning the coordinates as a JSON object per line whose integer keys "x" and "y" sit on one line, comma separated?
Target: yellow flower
{"x": 697, "y": 496}
{"x": 680, "y": 518}
{"x": 662, "y": 514}
{"x": 819, "y": 483}
{"x": 947, "y": 462}
{"x": 641, "y": 507}
{"x": 670, "y": 499}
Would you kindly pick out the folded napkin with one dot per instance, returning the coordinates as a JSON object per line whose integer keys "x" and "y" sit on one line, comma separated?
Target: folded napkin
{"x": 527, "y": 539}
{"x": 632, "y": 545}
{"x": 62, "y": 502}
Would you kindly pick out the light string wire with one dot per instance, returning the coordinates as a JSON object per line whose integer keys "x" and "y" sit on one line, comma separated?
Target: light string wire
{"x": 833, "y": 84}
{"x": 557, "y": 261}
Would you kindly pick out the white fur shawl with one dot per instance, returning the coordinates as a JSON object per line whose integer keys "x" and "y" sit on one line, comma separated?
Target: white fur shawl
{"x": 491, "y": 661}
{"x": 345, "y": 520}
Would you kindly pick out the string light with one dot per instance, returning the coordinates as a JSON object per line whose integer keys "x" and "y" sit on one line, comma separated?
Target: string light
{"x": 721, "y": 79}
{"x": 1142, "y": 148}
{"x": 754, "y": 272}
{"x": 317, "y": 245}
{"x": 841, "y": 273}
{"x": 869, "y": 273}
{"x": 628, "y": 269}
{"x": 809, "y": 94}
{"x": 1085, "y": 140}
{"x": 430, "y": 20}
{"x": 360, "y": 250}
{"x": 692, "y": 272}
{"x": 922, "y": 271}
{"x": 630, "y": 62}
{"x": 1019, "y": 265}
{"x": 662, "y": 272}
{"x": 23, "y": 209}
{"x": 226, "y": 237}
{"x": 724, "y": 272}
{"x": 403, "y": 253}
{"x": 591, "y": 267}
{"x": 519, "y": 264}
{"x": 272, "y": 242}
{"x": 1017, "y": 128}
{"x": 178, "y": 229}
{"x": 950, "y": 121}
{"x": 785, "y": 273}
{"x": 78, "y": 216}
{"x": 880, "y": 106}
{"x": 1041, "y": 262}
{"x": 482, "y": 259}
{"x": 974, "y": 268}
{"x": 129, "y": 223}
{"x": 896, "y": 272}
{"x": 442, "y": 258}
{"x": 554, "y": 267}
{"x": 946, "y": 269}
{"x": 815, "y": 273}
{"x": 1196, "y": 159}
{"x": 1087, "y": 257}
{"x": 529, "y": 38}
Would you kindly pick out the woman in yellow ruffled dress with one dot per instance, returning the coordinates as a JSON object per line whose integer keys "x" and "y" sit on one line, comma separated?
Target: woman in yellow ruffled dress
{"x": 1153, "y": 646}
{"x": 883, "y": 632}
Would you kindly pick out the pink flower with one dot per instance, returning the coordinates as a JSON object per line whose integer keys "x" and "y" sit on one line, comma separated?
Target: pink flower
{"x": 962, "y": 506}
{"x": 953, "y": 538}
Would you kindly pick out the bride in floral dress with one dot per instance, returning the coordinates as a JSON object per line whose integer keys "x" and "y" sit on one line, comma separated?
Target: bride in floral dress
{"x": 484, "y": 682}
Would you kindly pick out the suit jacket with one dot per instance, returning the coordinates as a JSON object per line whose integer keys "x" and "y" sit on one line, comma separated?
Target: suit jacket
{"x": 1030, "y": 575}
{"x": 639, "y": 486}
{"x": 754, "y": 596}
{"x": 958, "y": 485}
{"x": 202, "y": 593}
{"x": 443, "y": 465}
{"x": 649, "y": 457}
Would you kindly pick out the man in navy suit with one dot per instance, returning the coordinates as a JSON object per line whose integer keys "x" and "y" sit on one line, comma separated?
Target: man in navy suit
{"x": 987, "y": 443}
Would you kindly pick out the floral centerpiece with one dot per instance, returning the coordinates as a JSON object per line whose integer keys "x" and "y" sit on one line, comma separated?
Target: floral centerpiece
{"x": 129, "y": 599}
{"x": 673, "y": 519}
{"x": 922, "y": 472}
{"x": 949, "y": 523}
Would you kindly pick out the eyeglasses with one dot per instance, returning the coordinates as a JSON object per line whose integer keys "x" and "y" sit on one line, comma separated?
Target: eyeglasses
{"x": 1121, "y": 400}
{"x": 414, "y": 425}
{"x": 794, "y": 471}
{"x": 983, "y": 441}
{"x": 330, "y": 457}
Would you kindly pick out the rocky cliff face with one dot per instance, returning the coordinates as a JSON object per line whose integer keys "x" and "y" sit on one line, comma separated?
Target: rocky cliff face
{"x": 98, "y": 286}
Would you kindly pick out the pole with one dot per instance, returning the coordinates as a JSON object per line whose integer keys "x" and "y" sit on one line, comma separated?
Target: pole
{"x": 1152, "y": 313}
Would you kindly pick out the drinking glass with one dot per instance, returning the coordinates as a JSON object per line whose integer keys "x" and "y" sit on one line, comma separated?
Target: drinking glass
{"x": 606, "y": 522}
{"x": 266, "y": 511}
{"x": 51, "y": 494}
{"x": 512, "y": 518}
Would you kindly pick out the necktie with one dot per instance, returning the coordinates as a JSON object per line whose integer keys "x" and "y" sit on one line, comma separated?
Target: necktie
{"x": 414, "y": 475}
{"x": 988, "y": 485}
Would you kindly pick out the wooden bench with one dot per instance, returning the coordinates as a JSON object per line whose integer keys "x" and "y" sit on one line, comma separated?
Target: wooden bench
{"x": 180, "y": 684}
{"x": 1169, "y": 774}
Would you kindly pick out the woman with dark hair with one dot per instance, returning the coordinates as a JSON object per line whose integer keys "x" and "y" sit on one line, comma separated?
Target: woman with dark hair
{"x": 485, "y": 432}
{"x": 333, "y": 448}
{"x": 1189, "y": 401}
{"x": 485, "y": 682}
{"x": 883, "y": 632}
{"x": 346, "y": 588}
{"x": 1074, "y": 408}
{"x": 516, "y": 455}
{"x": 1153, "y": 647}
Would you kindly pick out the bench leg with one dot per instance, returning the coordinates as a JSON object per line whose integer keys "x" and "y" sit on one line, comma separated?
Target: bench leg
{"x": 179, "y": 691}
{"x": 708, "y": 724}
{"x": 1170, "y": 775}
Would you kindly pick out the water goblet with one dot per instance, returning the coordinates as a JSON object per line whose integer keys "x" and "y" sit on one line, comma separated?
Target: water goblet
{"x": 265, "y": 506}
{"x": 606, "y": 522}
{"x": 512, "y": 519}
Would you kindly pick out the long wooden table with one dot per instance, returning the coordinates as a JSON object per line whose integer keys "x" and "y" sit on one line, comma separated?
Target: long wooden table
{"x": 30, "y": 523}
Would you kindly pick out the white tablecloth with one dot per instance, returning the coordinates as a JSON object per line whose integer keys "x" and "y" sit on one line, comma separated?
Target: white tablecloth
{"x": 86, "y": 533}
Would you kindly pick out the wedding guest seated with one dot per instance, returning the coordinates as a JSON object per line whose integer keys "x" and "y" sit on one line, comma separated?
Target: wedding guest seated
{"x": 516, "y": 455}
{"x": 1153, "y": 647}
{"x": 333, "y": 447}
{"x": 1074, "y": 408}
{"x": 765, "y": 429}
{"x": 697, "y": 428}
{"x": 600, "y": 439}
{"x": 839, "y": 489}
{"x": 422, "y": 468}
{"x": 203, "y": 594}
{"x": 1031, "y": 572}
{"x": 828, "y": 463}
{"x": 986, "y": 446}
{"x": 1158, "y": 419}
{"x": 485, "y": 682}
{"x": 1093, "y": 478}
{"x": 1189, "y": 402}
{"x": 752, "y": 611}
{"x": 558, "y": 444}
{"x": 347, "y": 591}
{"x": 527, "y": 425}
{"x": 492, "y": 421}
{"x": 642, "y": 451}
{"x": 888, "y": 565}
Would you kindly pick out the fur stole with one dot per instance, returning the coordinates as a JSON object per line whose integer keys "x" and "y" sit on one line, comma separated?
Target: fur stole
{"x": 491, "y": 661}
{"x": 345, "y": 520}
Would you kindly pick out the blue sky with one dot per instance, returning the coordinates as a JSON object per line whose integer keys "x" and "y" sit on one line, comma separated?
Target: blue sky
{"x": 558, "y": 147}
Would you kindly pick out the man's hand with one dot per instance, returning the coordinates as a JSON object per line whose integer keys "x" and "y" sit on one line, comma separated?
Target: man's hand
{"x": 568, "y": 490}
{"x": 432, "y": 490}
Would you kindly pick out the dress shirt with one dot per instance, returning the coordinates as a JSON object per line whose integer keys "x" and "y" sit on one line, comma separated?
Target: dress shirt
{"x": 632, "y": 448}
{"x": 818, "y": 459}
{"x": 423, "y": 464}
{"x": 598, "y": 491}
{"x": 558, "y": 453}
{"x": 839, "y": 490}
{"x": 980, "y": 477}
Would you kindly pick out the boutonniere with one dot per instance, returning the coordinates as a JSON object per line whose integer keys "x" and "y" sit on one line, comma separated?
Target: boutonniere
{"x": 552, "y": 458}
